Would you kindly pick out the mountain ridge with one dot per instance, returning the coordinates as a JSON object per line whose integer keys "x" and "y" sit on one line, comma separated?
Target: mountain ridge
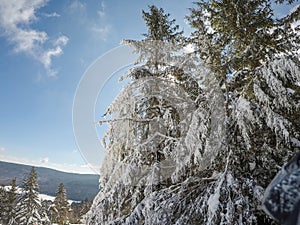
{"x": 78, "y": 186}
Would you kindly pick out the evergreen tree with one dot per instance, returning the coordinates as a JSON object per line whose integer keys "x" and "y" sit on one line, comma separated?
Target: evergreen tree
{"x": 156, "y": 49}
{"x": 151, "y": 111}
{"x": 29, "y": 204}
{"x": 61, "y": 208}
{"x": 254, "y": 58}
{"x": 3, "y": 202}
{"x": 79, "y": 210}
{"x": 45, "y": 218}
{"x": 160, "y": 27}
{"x": 9, "y": 211}
{"x": 222, "y": 145}
{"x": 157, "y": 120}
{"x": 237, "y": 35}
{"x": 45, "y": 212}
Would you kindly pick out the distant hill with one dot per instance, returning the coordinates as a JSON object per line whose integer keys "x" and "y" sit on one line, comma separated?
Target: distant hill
{"x": 78, "y": 186}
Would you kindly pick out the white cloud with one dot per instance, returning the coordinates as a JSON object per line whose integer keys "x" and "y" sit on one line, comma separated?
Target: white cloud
{"x": 27, "y": 40}
{"x": 101, "y": 32}
{"x": 91, "y": 167}
{"x": 100, "y": 28}
{"x": 44, "y": 160}
{"x": 2, "y": 149}
{"x": 50, "y": 15}
{"x": 77, "y": 7}
{"x": 62, "y": 40}
{"x": 101, "y": 12}
{"x": 14, "y": 13}
{"x": 16, "y": 18}
{"x": 57, "y": 50}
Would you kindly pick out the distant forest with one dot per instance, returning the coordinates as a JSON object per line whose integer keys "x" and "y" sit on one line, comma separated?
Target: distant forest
{"x": 79, "y": 186}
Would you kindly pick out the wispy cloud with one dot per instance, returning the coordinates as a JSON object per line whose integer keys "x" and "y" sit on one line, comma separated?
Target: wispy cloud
{"x": 102, "y": 32}
{"x": 50, "y": 15}
{"x": 55, "y": 51}
{"x": 77, "y": 7}
{"x": 101, "y": 29}
{"x": 44, "y": 160}
{"x": 2, "y": 149}
{"x": 91, "y": 167}
{"x": 97, "y": 26}
{"x": 101, "y": 12}
{"x": 16, "y": 18}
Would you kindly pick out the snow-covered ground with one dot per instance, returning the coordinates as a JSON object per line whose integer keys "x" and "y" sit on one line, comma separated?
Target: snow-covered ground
{"x": 41, "y": 196}
{"x": 51, "y": 198}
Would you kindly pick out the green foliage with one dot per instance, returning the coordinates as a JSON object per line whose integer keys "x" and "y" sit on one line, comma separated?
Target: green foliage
{"x": 10, "y": 211}
{"x": 61, "y": 210}
{"x": 79, "y": 209}
{"x": 254, "y": 58}
{"x": 30, "y": 184}
{"x": 223, "y": 153}
{"x": 29, "y": 204}
{"x": 3, "y": 202}
{"x": 236, "y": 35}
{"x": 155, "y": 48}
{"x": 148, "y": 114}
{"x": 79, "y": 186}
{"x": 160, "y": 28}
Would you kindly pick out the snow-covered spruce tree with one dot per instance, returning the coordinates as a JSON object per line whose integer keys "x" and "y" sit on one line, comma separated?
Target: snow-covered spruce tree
{"x": 45, "y": 220}
{"x": 60, "y": 209}
{"x": 79, "y": 210}
{"x": 255, "y": 60}
{"x": 3, "y": 201}
{"x": 9, "y": 208}
{"x": 29, "y": 204}
{"x": 148, "y": 121}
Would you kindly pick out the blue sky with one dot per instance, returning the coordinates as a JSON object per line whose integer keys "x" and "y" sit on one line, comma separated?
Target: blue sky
{"x": 45, "y": 48}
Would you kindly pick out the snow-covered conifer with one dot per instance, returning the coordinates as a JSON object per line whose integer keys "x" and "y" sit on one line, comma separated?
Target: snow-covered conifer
{"x": 61, "y": 209}
{"x": 180, "y": 155}
{"x": 3, "y": 202}
{"x": 254, "y": 58}
{"x": 153, "y": 112}
{"x": 29, "y": 204}
{"x": 9, "y": 211}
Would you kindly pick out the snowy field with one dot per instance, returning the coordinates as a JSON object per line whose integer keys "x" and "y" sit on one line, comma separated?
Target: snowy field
{"x": 41, "y": 196}
{"x": 51, "y": 198}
